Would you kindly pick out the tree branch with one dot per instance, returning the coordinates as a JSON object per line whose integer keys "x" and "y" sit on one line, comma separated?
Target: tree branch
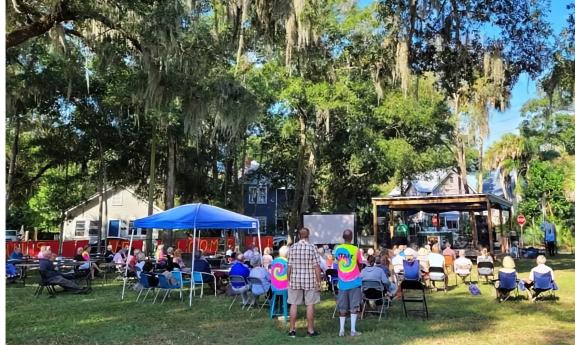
{"x": 38, "y": 174}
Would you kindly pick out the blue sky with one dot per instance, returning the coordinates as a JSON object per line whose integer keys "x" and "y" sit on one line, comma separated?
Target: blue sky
{"x": 525, "y": 88}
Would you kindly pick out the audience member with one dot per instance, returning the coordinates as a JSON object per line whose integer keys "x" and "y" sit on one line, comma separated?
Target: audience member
{"x": 322, "y": 261}
{"x": 485, "y": 256}
{"x": 109, "y": 254}
{"x": 385, "y": 264}
{"x": 462, "y": 264}
{"x": 349, "y": 297}
{"x": 267, "y": 258}
{"x": 160, "y": 256}
{"x": 507, "y": 266}
{"x": 249, "y": 252}
{"x": 372, "y": 272}
{"x": 178, "y": 262}
{"x": 541, "y": 268}
{"x": 397, "y": 262}
{"x": 239, "y": 269}
{"x": 55, "y": 277}
{"x": 16, "y": 254}
{"x": 448, "y": 251}
{"x": 262, "y": 274}
{"x": 436, "y": 259}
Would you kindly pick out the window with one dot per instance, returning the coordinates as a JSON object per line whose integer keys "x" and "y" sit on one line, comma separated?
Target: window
{"x": 80, "y": 229}
{"x": 263, "y": 223}
{"x": 117, "y": 199}
{"x": 259, "y": 195}
{"x": 94, "y": 229}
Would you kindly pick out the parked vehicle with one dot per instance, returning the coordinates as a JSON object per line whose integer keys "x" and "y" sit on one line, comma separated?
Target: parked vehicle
{"x": 12, "y": 235}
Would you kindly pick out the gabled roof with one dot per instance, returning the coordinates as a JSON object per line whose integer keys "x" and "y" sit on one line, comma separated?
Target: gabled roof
{"x": 428, "y": 183}
{"x": 96, "y": 195}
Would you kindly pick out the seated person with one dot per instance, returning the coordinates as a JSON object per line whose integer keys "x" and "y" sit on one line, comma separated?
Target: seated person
{"x": 485, "y": 256}
{"x": 160, "y": 256}
{"x": 373, "y": 272}
{"x": 202, "y": 265}
{"x": 448, "y": 251}
{"x": 384, "y": 264}
{"x": 397, "y": 261}
{"x": 262, "y": 274}
{"x": 507, "y": 266}
{"x": 436, "y": 261}
{"x": 89, "y": 264}
{"x": 119, "y": 259}
{"x": 55, "y": 277}
{"x": 462, "y": 265}
{"x": 78, "y": 256}
{"x": 141, "y": 257}
{"x": 178, "y": 262}
{"x": 109, "y": 254}
{"x": 229, "y": 251}
{"x": 17, "y": 254}
{"x": 148, "y": 268}
{"x": 267, "y": 258}
{"x": 249, "y": 252}
{"x": 239, "y": 269}
{"x": 422, "y": 254}
{"x": 541, "y": 268}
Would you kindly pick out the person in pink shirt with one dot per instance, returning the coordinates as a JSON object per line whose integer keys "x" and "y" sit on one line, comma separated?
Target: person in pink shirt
{"x": 448, "y": 251}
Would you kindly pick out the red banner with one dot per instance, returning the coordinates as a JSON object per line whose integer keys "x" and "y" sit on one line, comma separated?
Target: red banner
{"x": 267, "y": 241}
{"x": 32, "y": 248}
{"x": 208, "y": 245}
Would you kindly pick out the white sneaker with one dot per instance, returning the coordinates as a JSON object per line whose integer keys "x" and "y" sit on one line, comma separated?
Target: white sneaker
{"x": 342, "y": 334}
{"x": 355, "y": 334}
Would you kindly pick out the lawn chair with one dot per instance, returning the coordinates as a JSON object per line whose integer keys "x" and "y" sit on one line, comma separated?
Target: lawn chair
{"x": 145, "y": 285}
{"x": 373, "y": 291}
{"x": 543, "y": 284}
{"x": 413, "y": 291}
{"x": 200, "y": 281}
{"x": 254, "y": 283}
{"x": 436, "y": 274}
{"x": 507, "y": 283}
{"x": 165, "y": 285}
{"x": 411, "y": 270}
{"x": 485, "y": 269}
{"x": 43, "y": 283}
{"x": 239, "y": 280}
{"x": 462, "y": 276}
{"x": 181, "y": 281}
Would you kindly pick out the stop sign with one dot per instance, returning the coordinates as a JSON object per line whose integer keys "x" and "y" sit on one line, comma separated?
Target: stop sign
{"x": 521, "y": 219}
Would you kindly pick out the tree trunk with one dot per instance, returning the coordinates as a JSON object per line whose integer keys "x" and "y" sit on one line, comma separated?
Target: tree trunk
{"x": 480, "y": 168}
{"x": 171, "y": 180}
{"x": 460, "y": 146}
{"x": 151, "y": 191}
{"x": 102, "y": 196}
{"x": 295, "y": 215}
{"x": 63, "y": 213}
{"x": 309, "y": 174}
{"x": 13, "y": 158}
{"x": 243, "y": 163}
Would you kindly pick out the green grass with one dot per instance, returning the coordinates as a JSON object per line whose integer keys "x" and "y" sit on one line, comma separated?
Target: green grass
{"x": 455, "y": 318}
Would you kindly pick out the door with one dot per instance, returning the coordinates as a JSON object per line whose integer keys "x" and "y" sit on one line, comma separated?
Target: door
{"x": 114, "y": 228}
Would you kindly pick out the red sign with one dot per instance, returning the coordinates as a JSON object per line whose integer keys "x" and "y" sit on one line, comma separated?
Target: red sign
{"x": 521, "y": 219}
{"x": 267, "y": 241}
{"x": 208, "y": 245}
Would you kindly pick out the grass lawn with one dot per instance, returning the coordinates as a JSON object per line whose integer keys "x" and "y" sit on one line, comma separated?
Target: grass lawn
{"x": 455, "y": 318}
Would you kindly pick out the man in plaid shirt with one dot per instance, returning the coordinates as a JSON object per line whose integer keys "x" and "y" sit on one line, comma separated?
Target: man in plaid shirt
{"x": 304, "y": 277}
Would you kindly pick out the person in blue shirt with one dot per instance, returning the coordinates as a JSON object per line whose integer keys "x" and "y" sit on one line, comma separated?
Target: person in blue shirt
{"x": 240, "y": 269}
{"x": 16, "y": 254}
{"x": 550, "y": 237}
{"x": 202, "y": 265}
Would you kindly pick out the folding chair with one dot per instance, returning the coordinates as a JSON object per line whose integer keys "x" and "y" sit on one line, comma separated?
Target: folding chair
{"x": 374, "y": 291}
{"x": 507, "y": 283}
{"x": 199, "y": 281}
{"x": 43, "y": 283}
{"x": 543, "y": 284}
{"x": 413, "y": 291}
{"x": 436, "y": 274}
{"x": 462, "y": 276}
{"x": 257, "y": 282}
{"x": 239, "y": 280}
{"x": 411, "y": 270}
{"x": 332, "y": 279}
{"x": 144, "y": 282}
{"x": 485, "y": 269}
{"x": 164, "y": 284}
{"x": 448, "y": 263}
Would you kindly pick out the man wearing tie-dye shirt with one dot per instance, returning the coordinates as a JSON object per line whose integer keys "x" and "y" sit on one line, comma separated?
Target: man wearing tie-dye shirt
{"x": 349, "y": 297}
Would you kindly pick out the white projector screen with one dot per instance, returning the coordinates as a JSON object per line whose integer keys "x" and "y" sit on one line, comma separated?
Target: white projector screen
{"x": 328, "y": 228}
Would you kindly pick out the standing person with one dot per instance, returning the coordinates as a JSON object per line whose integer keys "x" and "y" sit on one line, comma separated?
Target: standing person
{"x": 304, "y": 275}
{"x": 550, "y": 237}
{"x": 349, "y": 297}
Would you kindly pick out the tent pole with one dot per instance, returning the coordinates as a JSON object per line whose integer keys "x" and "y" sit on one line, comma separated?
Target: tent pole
{"x": 127, "y": 256}
{"x": 259, "y": 238}
{"x": 193, "y": 262}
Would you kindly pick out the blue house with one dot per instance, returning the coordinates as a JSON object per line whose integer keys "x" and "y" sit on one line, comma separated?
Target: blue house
{"x": 267, "y": 203}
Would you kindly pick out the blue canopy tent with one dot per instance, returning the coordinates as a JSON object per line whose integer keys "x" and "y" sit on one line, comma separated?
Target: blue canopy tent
{"x": 196, "y": 217}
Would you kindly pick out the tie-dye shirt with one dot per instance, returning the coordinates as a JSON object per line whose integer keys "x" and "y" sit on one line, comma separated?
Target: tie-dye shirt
{"x": 348, "y": 262}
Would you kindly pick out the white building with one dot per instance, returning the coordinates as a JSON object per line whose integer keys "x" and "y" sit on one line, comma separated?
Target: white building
{"x": 123, "y": 207}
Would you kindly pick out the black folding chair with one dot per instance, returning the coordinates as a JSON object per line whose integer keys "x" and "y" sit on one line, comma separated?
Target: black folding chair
{"x": 44, "y": 284}
{"x": 485, "y": 269}
{"x": 236, "y": 280}
{"x": 373, "y": 291}
{"x": 413, "y": 291}
{"x": 435, "y": 277}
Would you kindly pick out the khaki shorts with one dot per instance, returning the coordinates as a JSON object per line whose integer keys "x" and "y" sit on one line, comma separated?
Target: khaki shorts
{"x": 298, "y": 297}
{"x": 349, "y": 300}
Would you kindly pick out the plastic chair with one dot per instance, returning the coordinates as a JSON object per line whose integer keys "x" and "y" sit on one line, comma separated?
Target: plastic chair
{"x": 543, "y": 284}
{"x": 181, "y": 281}
{"x": 255, "y": 282}
{"x": 485, "y": 269}
{"x": 507, "y": 283}
{"x": 199, "y": 281}
{"x": 144, "y": 282}
{"x": 374, "y": 291}
{"x": 413, "y": 291}
{"x": 164, "y": 284}
{"x": 238, "y": 280}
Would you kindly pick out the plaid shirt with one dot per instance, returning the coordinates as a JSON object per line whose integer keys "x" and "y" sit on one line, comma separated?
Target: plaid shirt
{"x": 302, "y": 258}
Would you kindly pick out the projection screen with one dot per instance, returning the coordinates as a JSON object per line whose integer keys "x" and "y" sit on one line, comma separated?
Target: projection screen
{"x": 328, "y": 228}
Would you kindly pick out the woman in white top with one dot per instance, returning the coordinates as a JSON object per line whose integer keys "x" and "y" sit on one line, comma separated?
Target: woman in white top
{"x": 541, "y": 268}
{"x": 485, "y": 256}
{"x": 436, "y": 260}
